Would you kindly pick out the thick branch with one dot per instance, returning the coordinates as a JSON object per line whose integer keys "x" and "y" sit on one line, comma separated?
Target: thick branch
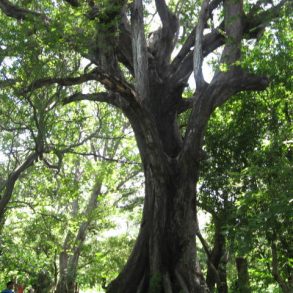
{"x": 63, "y": 81}
{"x": 111, "y": 83}
{"x": 164, "y": 38}
{"x": 180, "y": 73}
{"x": 190, "y": 41}
{"x": 17, "y": 12}
{"x": 181, "y": 67}
{"x": 106, "y": 97}
{"x": 205, "y": 102}
{"x": 140, "y": 60}
{"x": 233, "y": 19}
{"x": 259, "y": 17}
{"x": 124, "y": 50}
{"x": 197, "y": 59}
{"x": 164, "y": 12}
{"x": 10, "y": 182}
{"x": 227, "y": 84}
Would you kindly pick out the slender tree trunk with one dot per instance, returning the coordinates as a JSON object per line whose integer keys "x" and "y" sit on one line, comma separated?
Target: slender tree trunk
{"x": 286, "y": 287}
{"x": 218, "y": 261}
{"x": 243, "y": 276}
{"x": 63, "y": 265}
{"x": 68, "y": 264}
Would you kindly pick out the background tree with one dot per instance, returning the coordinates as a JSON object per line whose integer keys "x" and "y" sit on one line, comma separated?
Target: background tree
{"x": 54, "y": 209}
{"x": 245, "y": 179}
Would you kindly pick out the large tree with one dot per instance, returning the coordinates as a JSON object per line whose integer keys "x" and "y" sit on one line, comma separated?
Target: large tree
{"x": 48, "y": 43}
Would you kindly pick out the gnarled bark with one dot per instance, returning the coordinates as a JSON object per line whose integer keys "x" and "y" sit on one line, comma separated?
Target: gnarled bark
{"x": 164, "y": 257}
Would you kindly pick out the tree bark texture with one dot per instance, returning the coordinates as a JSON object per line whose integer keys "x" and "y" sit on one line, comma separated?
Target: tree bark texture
{"x": 164, "y": 257}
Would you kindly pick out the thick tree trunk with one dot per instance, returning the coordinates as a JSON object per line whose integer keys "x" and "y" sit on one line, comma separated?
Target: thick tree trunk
{"x": 164, "y": 257}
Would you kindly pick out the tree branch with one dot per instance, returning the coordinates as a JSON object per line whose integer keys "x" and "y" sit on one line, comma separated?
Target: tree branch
{"x": 227, "y": 84}
{"x": 17, "y": 12}
{"x": 164, "y": 13}
{"x": 106, "y": 97}
{"x": 253, "y": 23}
{"x": 111, "y": 83}
{"x": 180, "y": 73}
{"x": 197, "y": 59}
{"x": 165, "y": 40}
{"x": 12, "y": 178}
{"x": 140, "y": 61}
{"x": 65, "y": 81}
{"x": 190, "y": 41}
{"x": 124, "y": 50}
